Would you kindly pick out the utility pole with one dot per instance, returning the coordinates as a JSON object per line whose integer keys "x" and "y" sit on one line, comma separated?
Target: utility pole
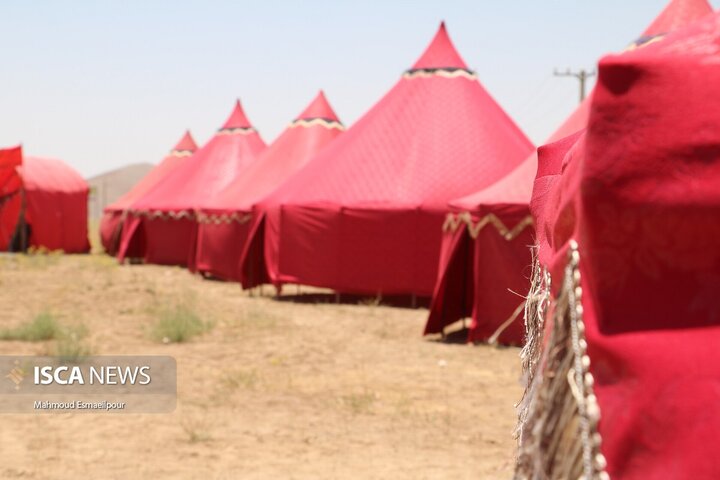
{"x": 582, "y": 75}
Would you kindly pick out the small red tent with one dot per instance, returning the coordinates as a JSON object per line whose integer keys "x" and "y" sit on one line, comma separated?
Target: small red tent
{"x": 161, "y": 226}
{"x": 113, "y": 217}
{"x": 364, "y": 216}
{"x": 224, "y": 221}
{"x": 43, "y": 203}
{"x": 627, "y": 385}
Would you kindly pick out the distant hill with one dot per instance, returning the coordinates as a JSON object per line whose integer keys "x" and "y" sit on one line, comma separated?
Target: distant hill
{"x": 108, "y": 187}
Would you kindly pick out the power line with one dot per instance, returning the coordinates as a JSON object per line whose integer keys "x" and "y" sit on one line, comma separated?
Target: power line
{"x": 582, "y": 75}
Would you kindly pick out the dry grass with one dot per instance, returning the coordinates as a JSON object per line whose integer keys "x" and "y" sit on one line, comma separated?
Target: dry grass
{"x": 273, "y": 390}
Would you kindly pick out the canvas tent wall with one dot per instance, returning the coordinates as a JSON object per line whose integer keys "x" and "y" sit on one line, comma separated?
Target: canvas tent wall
{"x": 161, "y": 225}
{"x": 43, "y": 204}
{"x": 113, "y": 216}
{"x": 225, "y": 220}
{"x": 364, "y": 216}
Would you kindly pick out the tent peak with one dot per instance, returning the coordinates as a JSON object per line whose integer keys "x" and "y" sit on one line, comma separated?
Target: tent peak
{"x": 186, "y": 143}
{"x": 237, "y": 118}
{"x": 319, "y": 108}
{"x": 440, "y": 54}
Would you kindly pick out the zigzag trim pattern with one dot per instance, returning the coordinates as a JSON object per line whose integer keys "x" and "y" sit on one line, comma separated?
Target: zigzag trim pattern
{"x": 162, "y": 215}
{"x": 319, "y": 121}
{"x": 440, "y": 72}
{"x": 453, "y": 222}
{"x": 236, "y": 131}
{"x": 223, "y": 218}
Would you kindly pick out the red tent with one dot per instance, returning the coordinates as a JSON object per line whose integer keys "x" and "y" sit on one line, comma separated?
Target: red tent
{"x": 364, "y": 216}
{"x": 628, "y": 382}
{"x": 161, "y": 226}
{"x": 113, "y": 217}
{"x": 43, "y": 203}
{"x": 225, "y": 220}
{"x": 485, "y": 259}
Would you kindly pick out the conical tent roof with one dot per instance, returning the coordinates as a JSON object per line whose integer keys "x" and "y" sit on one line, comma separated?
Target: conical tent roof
{"x": 218, "y": 163}
{"x": 312, "y": 130}
{"x": 677, "y": 14}
{"x": 185, "y": 147}
{"x": 428, "y": 140}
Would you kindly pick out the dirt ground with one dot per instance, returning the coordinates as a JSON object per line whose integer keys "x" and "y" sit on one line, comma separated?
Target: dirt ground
{"x": 276, "y": 389}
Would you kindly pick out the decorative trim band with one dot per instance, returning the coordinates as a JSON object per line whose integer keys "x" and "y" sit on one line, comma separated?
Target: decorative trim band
{"x": 317, "y": 121}
{"x": 223, "y": 218}
{"x": 455, "y": 221}
{"x": 440, "y": 72}
{"x": 236, "y": 131}
{"x": 163, "y": 215}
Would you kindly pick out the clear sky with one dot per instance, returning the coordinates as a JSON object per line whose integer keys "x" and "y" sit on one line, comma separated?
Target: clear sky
{"x": 102, "y": 84}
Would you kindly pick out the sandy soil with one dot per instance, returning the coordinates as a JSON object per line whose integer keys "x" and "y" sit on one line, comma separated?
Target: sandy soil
{"x": 276, "y": 389}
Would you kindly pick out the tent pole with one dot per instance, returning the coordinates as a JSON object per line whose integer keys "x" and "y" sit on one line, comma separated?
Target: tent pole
{"x": 337, "y": 298}
{"x": 414, "y": 300}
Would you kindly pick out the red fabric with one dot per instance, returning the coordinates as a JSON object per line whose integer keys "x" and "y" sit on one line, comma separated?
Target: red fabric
{"x": 111, "y": 230}
{"x": 111, "y": 222}
{"x": 219, "y": 245}
{"x": 10, "y": 185}
{"x": 642, "y": 196}
{"x": 501, "y": 269}
{"x": 483, "y": 278}
{"x": 454, "y": 292}
{"x": 677, "y": 14}
{"x": 442, "y": 53}
{"x": 375, "y": 199}
{"x": 56, "y": 202}
{"x": 211, "y": 169}
{"x": 544, "y": 203}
